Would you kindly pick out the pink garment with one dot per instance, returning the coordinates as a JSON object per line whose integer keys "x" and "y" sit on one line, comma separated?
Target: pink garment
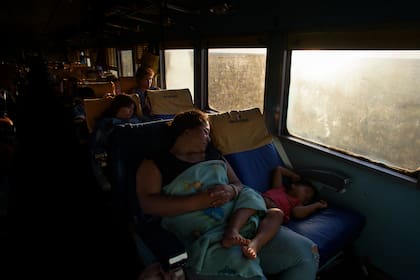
{"x": 283, "y": 201}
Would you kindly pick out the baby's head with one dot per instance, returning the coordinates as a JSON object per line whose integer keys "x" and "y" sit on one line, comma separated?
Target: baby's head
{"x": 304, "y": 190}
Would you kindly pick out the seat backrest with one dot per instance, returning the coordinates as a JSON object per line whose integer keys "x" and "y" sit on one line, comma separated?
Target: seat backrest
{"x": 244, "y": 140}
{"x": 127, "y": 83}
{"x": 94, "y": 108}
{"x": 165, "y": 103}
{"x": 100, "y": 88}
{"x": 129, "y": 145}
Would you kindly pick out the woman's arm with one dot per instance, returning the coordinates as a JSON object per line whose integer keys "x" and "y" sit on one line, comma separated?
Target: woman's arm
{"x": 233, "y": 179}
{"x": 223, "y": 193}
{"x": 152, "y": 201}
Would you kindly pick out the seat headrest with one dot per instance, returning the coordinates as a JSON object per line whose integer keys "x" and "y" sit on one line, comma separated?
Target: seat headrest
{"x": 100, "y": 88}
{"x": 94, "y": 108}
{"x": 169, "y": 101}
{"x": 127, "y": 83}
{"x": 238, "y": 131}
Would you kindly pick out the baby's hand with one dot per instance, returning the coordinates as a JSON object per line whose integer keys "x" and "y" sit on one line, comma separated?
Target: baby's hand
{"x": 322, "y": 204}
{"x": 295, "y": 177}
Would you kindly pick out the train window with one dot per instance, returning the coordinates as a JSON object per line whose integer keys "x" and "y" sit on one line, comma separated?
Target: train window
{"x": 363, "y": 102}
{"x": 236, "y": 78}
{"x": 179, "y": 69}
{"x": 111, "y": 57}
{"x": 127, "y": 69}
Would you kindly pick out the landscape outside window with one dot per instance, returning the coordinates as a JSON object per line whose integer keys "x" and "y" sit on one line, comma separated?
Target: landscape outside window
{"x": 364, "y": 102}
{"x": 236, "y": 78}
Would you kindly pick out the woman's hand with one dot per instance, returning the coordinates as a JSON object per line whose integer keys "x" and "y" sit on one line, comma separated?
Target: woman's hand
{"x": 220, "y": 194}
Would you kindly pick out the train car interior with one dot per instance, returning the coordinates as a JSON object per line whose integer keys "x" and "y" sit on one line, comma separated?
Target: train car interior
{"x": 329, "y": 90}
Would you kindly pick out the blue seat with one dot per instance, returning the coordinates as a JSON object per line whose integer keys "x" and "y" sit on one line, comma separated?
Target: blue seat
{"x": 251, "y": 151}
{"x": 129, "y": 145}
{"x": 332, "y": 229}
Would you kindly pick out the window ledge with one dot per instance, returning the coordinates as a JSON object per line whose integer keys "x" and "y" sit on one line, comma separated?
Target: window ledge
{"x": 353, "y": 160}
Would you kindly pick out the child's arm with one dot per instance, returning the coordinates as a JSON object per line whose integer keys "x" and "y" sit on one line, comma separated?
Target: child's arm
{"x": 302, "y": 211}
{"x": 279, "y": 172}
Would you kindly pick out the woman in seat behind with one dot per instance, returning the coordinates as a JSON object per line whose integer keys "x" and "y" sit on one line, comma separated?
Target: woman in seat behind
{"x": 123, "y": 109}
{"x": 144, "y": 80}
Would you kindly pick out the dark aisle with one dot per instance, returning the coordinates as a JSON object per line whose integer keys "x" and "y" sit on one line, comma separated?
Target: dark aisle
{"x": 60, "y": 224}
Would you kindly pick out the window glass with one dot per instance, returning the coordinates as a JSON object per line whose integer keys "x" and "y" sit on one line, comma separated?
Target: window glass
{"x": 111, "y": 55}
{"x": 127, "y": 69}
{"x": 179, "y": 69}
{"x": 236, "y": 78}
{"x": 363, "y": 102}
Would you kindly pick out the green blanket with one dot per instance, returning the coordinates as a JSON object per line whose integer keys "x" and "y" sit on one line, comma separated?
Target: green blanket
{"x": 201, "y": 231}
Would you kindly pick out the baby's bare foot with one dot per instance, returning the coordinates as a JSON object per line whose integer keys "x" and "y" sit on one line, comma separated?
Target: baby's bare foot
{"x": 232, "y": 239}
{"x": 249, "y": 252}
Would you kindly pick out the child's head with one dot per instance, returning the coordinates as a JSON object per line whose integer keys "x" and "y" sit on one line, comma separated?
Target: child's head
{"x": 304, "y": 190}
{"x": 123, "y": 107}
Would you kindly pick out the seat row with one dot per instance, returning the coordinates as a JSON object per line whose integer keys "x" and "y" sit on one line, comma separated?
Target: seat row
{"x": 253, "y": 153}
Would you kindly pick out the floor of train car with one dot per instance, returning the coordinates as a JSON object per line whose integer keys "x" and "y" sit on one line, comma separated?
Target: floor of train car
{"x": 351, "y": 267}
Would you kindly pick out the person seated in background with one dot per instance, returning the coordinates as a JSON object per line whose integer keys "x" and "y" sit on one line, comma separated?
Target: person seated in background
{"x": 144, "y": 80}
{"x": 116, "y": 85}
{"x": 123, "y": 109}
{"x": 78, "y": 109}
{"x": 79, "y": 113}
{"x": 99, "y": 73}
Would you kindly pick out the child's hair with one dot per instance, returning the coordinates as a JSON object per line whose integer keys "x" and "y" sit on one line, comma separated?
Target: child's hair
{"x": 119, "y": 101}
{"x": 305, "y": 182}
{"x": 144, "y": 72}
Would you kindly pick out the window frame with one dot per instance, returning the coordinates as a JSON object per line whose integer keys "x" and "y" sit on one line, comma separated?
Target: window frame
{"x": 120, "y": 63}
{"x": 355, "y": 40}
{"x": 359, "y": 40}
{"x": 249, "y": 41}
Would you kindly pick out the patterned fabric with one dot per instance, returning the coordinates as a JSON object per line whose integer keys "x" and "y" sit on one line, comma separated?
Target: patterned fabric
{"x": 201, "y": 231}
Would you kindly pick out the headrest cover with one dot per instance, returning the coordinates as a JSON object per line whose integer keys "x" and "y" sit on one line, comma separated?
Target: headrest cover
{"x": 169, "y": 101}
{"x": 94, "y": 108}
{"x": 100, "y": 89}
{"x": 239, "y": 131}
{"x": 127, "y": 83}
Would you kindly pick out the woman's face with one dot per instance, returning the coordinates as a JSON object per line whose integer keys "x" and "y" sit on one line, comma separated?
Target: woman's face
{"x": 145, "y": 83}
{"x": 199, "y": 137}
{"x": 125, "y": 112}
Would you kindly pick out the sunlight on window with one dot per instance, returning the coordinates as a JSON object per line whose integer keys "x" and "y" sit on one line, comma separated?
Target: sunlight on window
{"x": 236, "y": 78}
{"x": 179, "y": 69}
{"x": 363, "y": 102}
{"x": 127, "y": 63}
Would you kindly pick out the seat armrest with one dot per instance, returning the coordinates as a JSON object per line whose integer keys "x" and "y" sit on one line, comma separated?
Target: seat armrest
{"x": 331, "y": 179}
